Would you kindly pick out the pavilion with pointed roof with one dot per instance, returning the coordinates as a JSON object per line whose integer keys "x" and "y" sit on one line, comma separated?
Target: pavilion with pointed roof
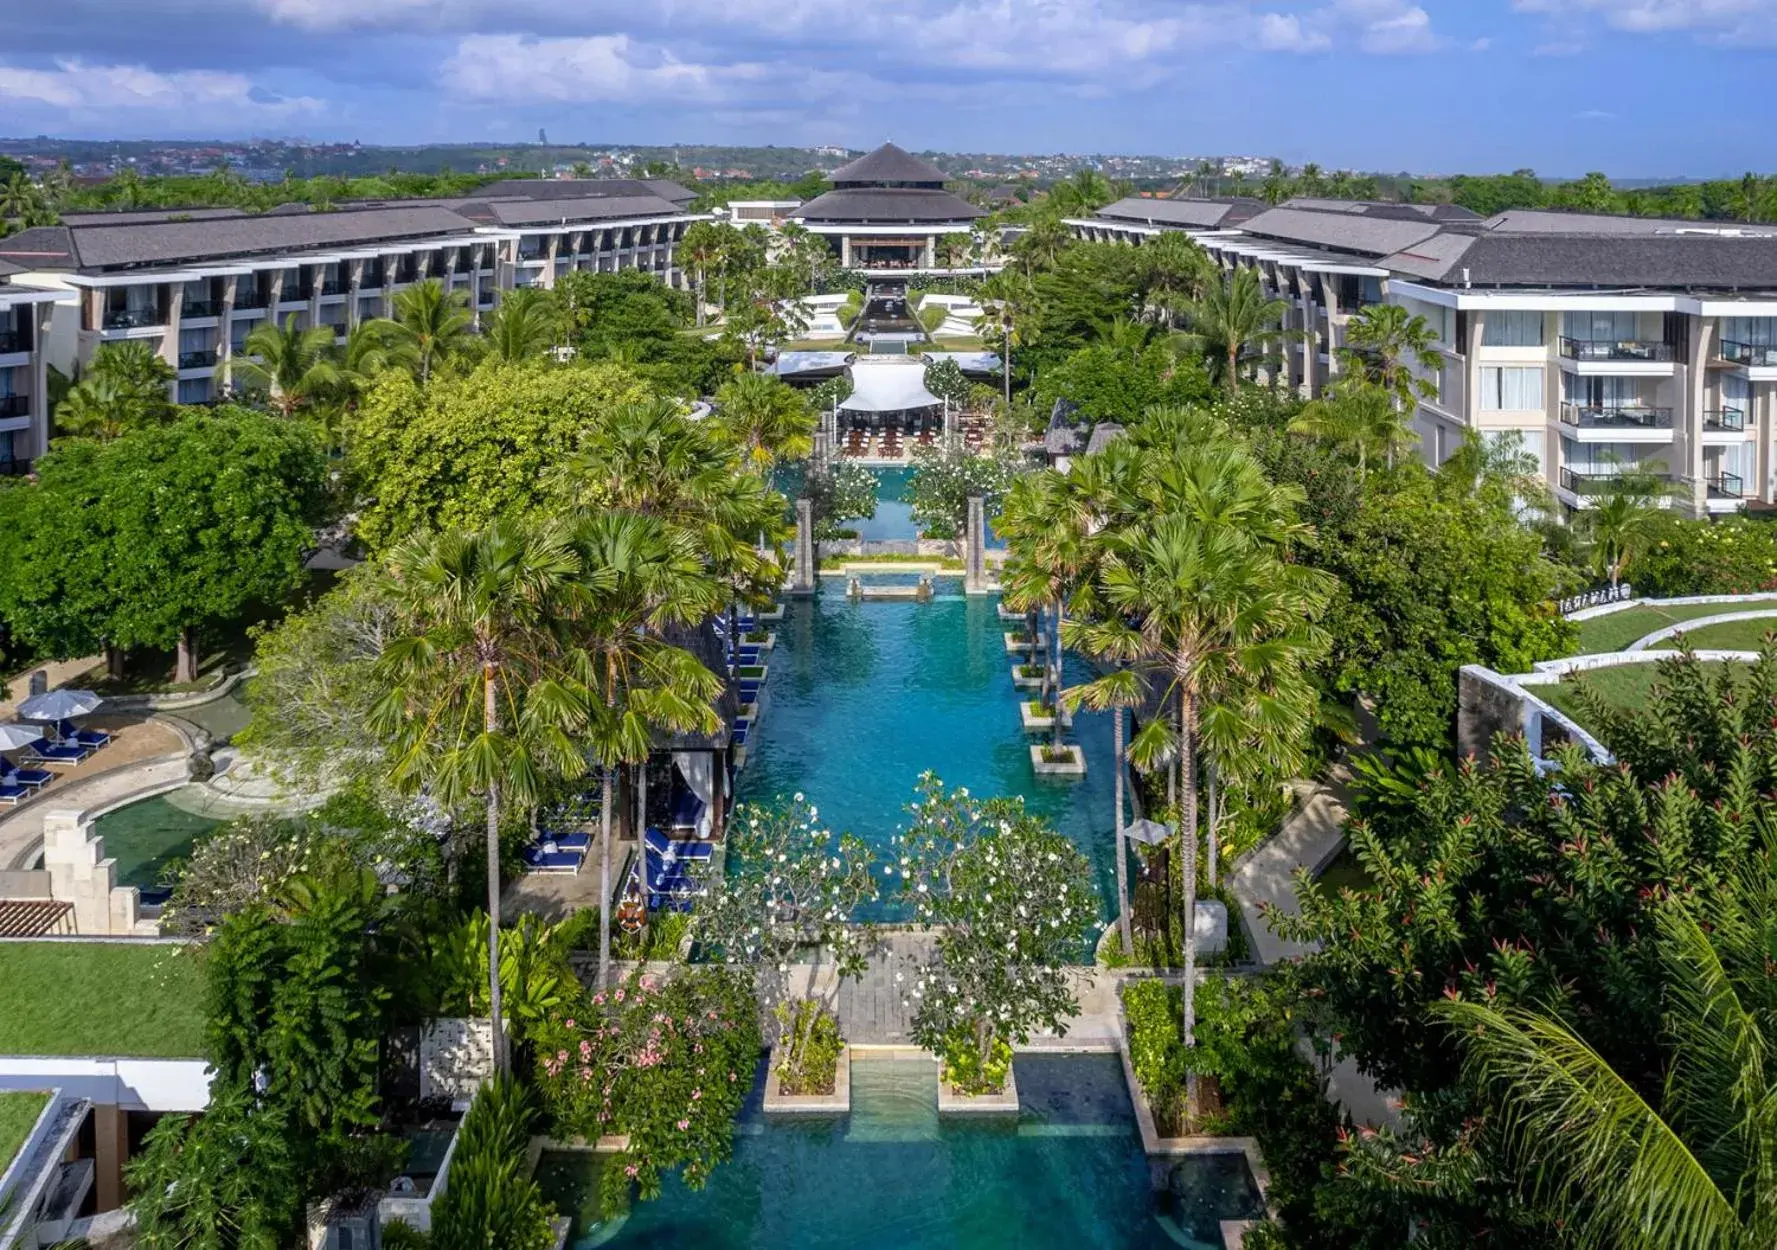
{"x": 887, "y": 211}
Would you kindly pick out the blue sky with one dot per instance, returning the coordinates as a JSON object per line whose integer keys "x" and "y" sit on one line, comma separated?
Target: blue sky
{"x": 1639, "y": 88}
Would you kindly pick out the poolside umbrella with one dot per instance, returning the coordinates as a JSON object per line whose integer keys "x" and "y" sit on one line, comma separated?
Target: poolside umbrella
{"x": 1147, "y": 832}
{"x": 59, "y": 704}
{"x": 14, "y": 735}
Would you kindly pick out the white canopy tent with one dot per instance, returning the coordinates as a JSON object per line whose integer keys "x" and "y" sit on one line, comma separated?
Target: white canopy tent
{"x": 889, "y": 385}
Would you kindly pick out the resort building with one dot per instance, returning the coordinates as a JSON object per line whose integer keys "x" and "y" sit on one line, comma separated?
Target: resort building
{"x": 194, "y": 283}
{"x": 1598, "y": 343}
{"x": 887, "y": 211}
{"x": 24, "y": 372}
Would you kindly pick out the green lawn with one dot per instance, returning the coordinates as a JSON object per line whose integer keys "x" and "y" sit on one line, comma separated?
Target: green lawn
{"x": 102, "y": 999}
{"x": 18, "y": 1115}
{"x": 1618, "y": 629}
{"x": 1748, "y": 635}
{"x": 1626, "y": 685}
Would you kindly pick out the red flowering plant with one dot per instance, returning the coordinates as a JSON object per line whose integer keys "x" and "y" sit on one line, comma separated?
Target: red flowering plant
{"x": 666, "y": 1063}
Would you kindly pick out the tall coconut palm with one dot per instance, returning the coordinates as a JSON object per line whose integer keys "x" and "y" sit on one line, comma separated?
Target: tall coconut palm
{"x": 473, "y": 696}
{"x": 1393, "y": 349}
{"x": 1691, "y": 1168}
{"x": 526, "y": 323}
{"x": 431, "y": 323}
{"x": 701, "y": 251}
{"x": 294, "y": 367}
{"x": 1234, "y": 319}
{"x": 1360, "y": 418}
{"x": 765, "y": 416}
{"x": 642, "y": 582}
{"x": 1009, "y": 303}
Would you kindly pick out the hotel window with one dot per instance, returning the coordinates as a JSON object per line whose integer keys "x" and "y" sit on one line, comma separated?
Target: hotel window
{"x": 195, "y": 391}
{"x": 1511, "y": 389}
{"x": 1754, "y": 331}
{"x": 1613, "y": 327}
{"x": 1512, "y": 329}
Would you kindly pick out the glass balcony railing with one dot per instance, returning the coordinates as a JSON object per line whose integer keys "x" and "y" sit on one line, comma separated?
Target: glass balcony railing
{"x": 1598, "y": 481}
{"x": 133, "y": 318}
{"x": 14, "y": 341}
{"x": 244, "y": 300}
{"x": 15, "y": 406}
{"x": 1616, "y": 417}
{"x": 1752, "y": 355}
{"x": 333, "y": 286}
{"x": 1730, "y": 420}
{"x": 1727, "y": 486}
{"x": 1633, "y": 351}
{"x": 199, "y": 308}
{"x": 201, "y": 359}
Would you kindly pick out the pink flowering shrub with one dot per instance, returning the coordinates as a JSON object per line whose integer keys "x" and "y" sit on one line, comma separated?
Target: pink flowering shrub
{"x": 667, "y": 1064}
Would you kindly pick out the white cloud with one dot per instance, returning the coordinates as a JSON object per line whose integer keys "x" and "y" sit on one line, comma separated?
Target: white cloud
{"x": 76, "y": 85}
{"x": 1727, "y": 21}
{"x": 1283, "y": 32}
{"x": 594, "y": 68}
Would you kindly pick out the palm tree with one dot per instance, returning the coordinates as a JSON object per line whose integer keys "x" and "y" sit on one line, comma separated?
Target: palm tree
{"x": 524, "y": 325}
{"x": 1691, "y": 1169}
{"x": 1360, "y": 417}
{"x": 294, "y": 367}
{"x": 1623, "y": 520}
{"x": 642, "y": 579}
{"x": 125, "y": 388}
{"x": 1039, "y": 245}
{"x": 1178, "y": 272}
{"x": 701, "y": 250}
{"x": 1384, "y": 343}
{"x": 1008, "y": 302}
{"x": 1047, "y": 521}
{"x": 1234, "y": 319}
{"x": 766, "y": 417}
{"x": 430, "y": 324}
{"x": 1313, "y": 181}
{"x": 476, "y": 698}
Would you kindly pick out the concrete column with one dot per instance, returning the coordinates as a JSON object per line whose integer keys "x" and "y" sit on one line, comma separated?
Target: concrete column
{"x": 1688, "y": 421}
{"x": 225, "y": 327}
{"x": 931, "y": 251}
{"x": 42, "y": 317}
{"x": 802, "y": 582}
{"x": 550, "y": 254}
{"x": 975, "y": 548}
{"x": 845, "y": 251}
{"x": 111, "y": 1147}
{"x": 822, "y": 449}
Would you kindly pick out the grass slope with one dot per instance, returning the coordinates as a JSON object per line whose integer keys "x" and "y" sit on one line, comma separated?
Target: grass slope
{"x": 1617, "y": 630}
{"x": 18, "y": 1115}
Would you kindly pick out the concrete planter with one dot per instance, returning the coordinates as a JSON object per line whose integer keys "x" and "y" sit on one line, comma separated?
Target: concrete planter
{"x": 1073, "y": 766}
{"x": 751, "y": 672}
{"x": 836, "y": 1103}
{"x": 1020, "y": 682}
{"x": 765, "y": 645}
{"x": 1007, "y": 614}
{"x": 776, "y": 614}
{"x": 950, "y": 1102}
{"x": 1033, "y": 716}
{"x": 1019, "y": 644}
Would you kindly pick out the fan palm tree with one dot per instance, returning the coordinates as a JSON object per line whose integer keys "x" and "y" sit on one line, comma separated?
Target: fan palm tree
{"x": 765, "y": 416}
{"x": 294, "y": 367}
{"x": 430, "y": 324}
{"x": 1692, "y": 1169}
{"x": 1232, "y": 320}
{"x": 1384, "y": 344}
{"x": 476, "y": 699}
{"x": 1358, "y": 417}
{"x": 641, "y": 580}
{"x": 524, "y": 325}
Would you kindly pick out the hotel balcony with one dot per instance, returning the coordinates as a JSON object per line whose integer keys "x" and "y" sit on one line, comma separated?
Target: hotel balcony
{"x": 13, "y": 406}
{"x": 1618, "y": 353}
{"x": 1588, "y": 482}
{"x": 246, "y": 301}
{"x": 1749, "y": 355}
{"x": 14, "y": 342}
{"x": 1618, "y": 420}
{"x": 1724, "y": 421}
{"x": 194, "y": 308}
{"x": 1726, "y": 486}
{"x": 333, "y": 286}
{"x": 205, "y": 359}
{"x": 132, "y": 318}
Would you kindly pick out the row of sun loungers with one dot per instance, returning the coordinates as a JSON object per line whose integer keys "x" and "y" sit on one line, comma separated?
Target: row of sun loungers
{"x": 557, "y": 852}
{"x": 64, "y": 746}
{"x": 673, "y": 870}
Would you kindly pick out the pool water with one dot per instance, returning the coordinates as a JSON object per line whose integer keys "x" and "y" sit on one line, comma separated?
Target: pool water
{"x": 863, "y": 697}
{"x": 1068, "y": 1174}
{"x": 894, "y": 515}
{"x": 147, "y": 835}
{"x": 221, "y": 718}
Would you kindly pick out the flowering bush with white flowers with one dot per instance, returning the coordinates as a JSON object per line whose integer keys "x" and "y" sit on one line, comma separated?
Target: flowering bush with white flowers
{"x": 667, "y": 1064}
{"x": 788, "y": 895}
{"x": 1011, "y": 902}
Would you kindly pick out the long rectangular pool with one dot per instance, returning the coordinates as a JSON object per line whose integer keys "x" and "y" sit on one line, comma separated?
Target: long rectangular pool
{"x": 862, "y": 697}
{"x": 1067, "y": 1174}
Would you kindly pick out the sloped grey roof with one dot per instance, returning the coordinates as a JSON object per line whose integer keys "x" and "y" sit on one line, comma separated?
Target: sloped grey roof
{"x": 7, "y": 268}
{"x": 1430, "y": 258}
{"x": 1549, "y": 221}
{"x": 604, "y": 208}
{"x": 116, "y": 215}
{"x": 1384, "y": 208}
{"x": 1103, "y": 435}
{"x": 1614, "y": 261}
{"x": 580, "y": 189}
{"x": 1340, "y": 232}
{"x": 41, "y": 247}
{"x": 888, "y": 164}
{"x": 1205, "y": 214}
{"x": 888, "y": 206}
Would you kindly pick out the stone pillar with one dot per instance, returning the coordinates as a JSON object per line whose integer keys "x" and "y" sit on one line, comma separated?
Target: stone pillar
{"x": 845, "y": 251}
{"x": 975, "y": 548}
{"x": 822, "y": 449}
{"x": 802, "y": 580}
{"x": 169, "y": 343}
{"x": 111, "y": 1147}
{"x": 1688, "y": 425}
{"x": 950, "y": 421}
{"x": 931, "y": 251}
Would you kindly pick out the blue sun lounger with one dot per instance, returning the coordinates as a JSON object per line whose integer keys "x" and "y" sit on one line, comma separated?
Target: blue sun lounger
{"x": 56, "y": 752}
{"x": 68, "y": 732}
{"x": 34, "y": 778}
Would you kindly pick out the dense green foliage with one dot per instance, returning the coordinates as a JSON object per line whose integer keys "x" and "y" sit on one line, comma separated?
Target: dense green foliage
{"x": 491, "y": 1199}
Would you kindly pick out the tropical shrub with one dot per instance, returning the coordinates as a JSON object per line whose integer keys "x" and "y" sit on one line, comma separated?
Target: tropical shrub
{"x": 491, "y": 1199}
{"x": 1156, "y": 1052}
{"x": 1732, "y": 556}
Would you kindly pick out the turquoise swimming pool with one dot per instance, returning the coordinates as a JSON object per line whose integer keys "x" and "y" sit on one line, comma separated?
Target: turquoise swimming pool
{"x": 862, "y": 697}
{"x": 146, "y": 836}
{"x": 894, "y": 515}
{"x": 1068, "y": 1174}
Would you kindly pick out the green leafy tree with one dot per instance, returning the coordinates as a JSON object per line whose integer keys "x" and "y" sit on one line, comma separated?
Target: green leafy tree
{"x": 945, "y": 479}
{"x": 1010, "y": 901}
{"x": 225, "y": 1180}
{"x": 295, "y": 368}
{"x": 94, "y": 561}
{"x": 467, "y": 449}
{"x": 788, "y": 899}
{"x": 944, "y": 378}
{"x": 841, "y": 490}
{"x": 1107, "y": 384}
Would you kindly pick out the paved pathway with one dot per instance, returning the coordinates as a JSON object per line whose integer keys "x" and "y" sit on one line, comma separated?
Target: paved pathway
{"x": 1265, "y": 879}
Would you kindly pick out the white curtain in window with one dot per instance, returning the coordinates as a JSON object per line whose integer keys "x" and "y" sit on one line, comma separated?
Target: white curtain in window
{"x": 1512, "y": 329}
{"x": 1505, "y": 389}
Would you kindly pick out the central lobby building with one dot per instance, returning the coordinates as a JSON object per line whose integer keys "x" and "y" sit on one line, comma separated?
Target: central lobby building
{"x": 887, "y": 211}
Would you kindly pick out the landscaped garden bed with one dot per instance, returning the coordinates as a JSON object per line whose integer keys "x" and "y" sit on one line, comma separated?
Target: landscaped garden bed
{"x": 1052, "y": 761}
{"x": 1027, "y": 676}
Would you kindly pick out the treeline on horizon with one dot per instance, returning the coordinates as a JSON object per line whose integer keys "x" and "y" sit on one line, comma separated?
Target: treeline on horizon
{"x": 1751, "y": 198}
